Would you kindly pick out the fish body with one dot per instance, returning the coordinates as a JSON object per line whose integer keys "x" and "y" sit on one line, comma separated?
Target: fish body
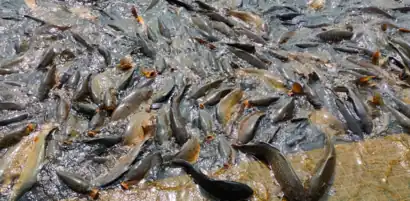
{"x": 219, "y": 189}
{"x": 130, "y": 103}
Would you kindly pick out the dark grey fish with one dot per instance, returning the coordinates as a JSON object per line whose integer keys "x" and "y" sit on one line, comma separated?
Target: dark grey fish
{"x": 217, "y": 17}
{"x": 351, "y": 122}
{"x": 243, "y": 46}
{"x": 335, "y": 35}
{"x": 375, "y": 10}
{"x": 130, "y": 103}
{"x": 4, "y": 121}
{"x": 163, "y": 131}
{"x": 120, "y": 168}
{"x": 164, "y": 93}
{"x": 83, "y": 89}
{"x": 151, "y": 34}
{"x": 47, "y": 59}
{"x": 88, "y": 109}
{"x": 223, "y": 28}
{"x": 306, "y": 45}
{"x": 252, "y": 36}
{"x": 181, "y": 4}
{"x": 74, "y": 79}
{"x": 176, "y": 120}
{"x": 346, "y": 49}
{"x": 201, "y": 23}
{"x": 14, "y": 136}
{"x": 147, "y": 49}
{"x": 262, "y": 100}
{"x": 215, "y": 96}
{"x": 105, "y": 54}
{"x": 139, "y": 171}
{"x": 77, "y": 184}
{"x": 7, "y": 71}
{"x": 62, "y": 109}
{"x": 249, "y": 58}
{"x": 47, "y": 83}
{"x": 218, "y": 189}
{"x": 402, "y": 119}
{"x": 205, "y": 6}
{"x": 287, "y": 178}
{"x": 283, "y": 113}
{"x": 201, "y": 90}
{"x": 11, "y": 106}
{"x": 226, "y": 151}
{"x": 160, "y": 65}
{"x": 151, "y": 5}
{"x": 80, "y": 39}
{"x": 107, "y": 141}
{"x": 279, "y": 7}
{"x": 163, "y": 29}
{"x": 287, "y": 16}
{"x": 97, "y": 121}
{"x": 248, "y": 126}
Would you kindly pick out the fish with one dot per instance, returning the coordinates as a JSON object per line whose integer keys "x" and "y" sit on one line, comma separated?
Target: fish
{"x": 80, "y": 39}
{"x": 5, "y": 105}
{"x": 351, "y": 122}
{"x": 265, "y": 75}
{"x": 63, "y": 108}
{"x": 140, "y": 127}
{"x": 260, "y": 101}
{"x": 361, "y": 109}
{"x": 402, "y": 119}
{"x": 218, "y": 17}
{"x": 248, "y": 126}
{"x": 73, "y": 80}
{"x": 106, "y": 141}
{"x": 225, "y": 106}
{"x": 223, "y": 28}
{"x": 252, "y": 36}
{"x": 110, "y": 99}
{"x": 177, "y": 122}
{"x": 139, "y": 171}
{"x": 204, "y": 6}
{"x": 285, "y": 175}
{"x": 122, "y": 165}
{"x": 165, "y": 93}
{"x": 374, "y": 10}
{"x": 287, "y": 16}
{"x": 47, "y": 59}
{"x": 163, "y": 29}
{"x": 151, "y": 5}
{"x": 201, "y": 23}
{"x": 286, "y": 36}
{"x": 77, "y": 183}
{"x": 188, "y": 152}
{"x": 96, "y": 122}
{"x": 249, "y": 58}
{"x": 243, "y": 46}
{"x": 181, "y": 4}
{"x": 163, "y": 131}
{"x": 88, "y": 109}
{"x": 7, "y": 71}
{"x": 226, "y": 151}
{"x": 279, "y": 7}
{"x": 33, "y": 162}
{"x": 130, "y": 103}
{"x": 218, "y": 189}
{"x": 205, "y": 122}
{"x": 306, "y": 45}
{"x": 105, "y": 54}
{"x": 324, "y": 172}
{"x": 83, "y": 88}
{"x": 283, "y": 113}
{"x": 247, "y": 17}
{"x": 12, "y": 137}
{"x": 47, "y": 83}
{"x": 201, "y": 90}
{"x": 335, "y": 35}
{"x": 4, "y": 121}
